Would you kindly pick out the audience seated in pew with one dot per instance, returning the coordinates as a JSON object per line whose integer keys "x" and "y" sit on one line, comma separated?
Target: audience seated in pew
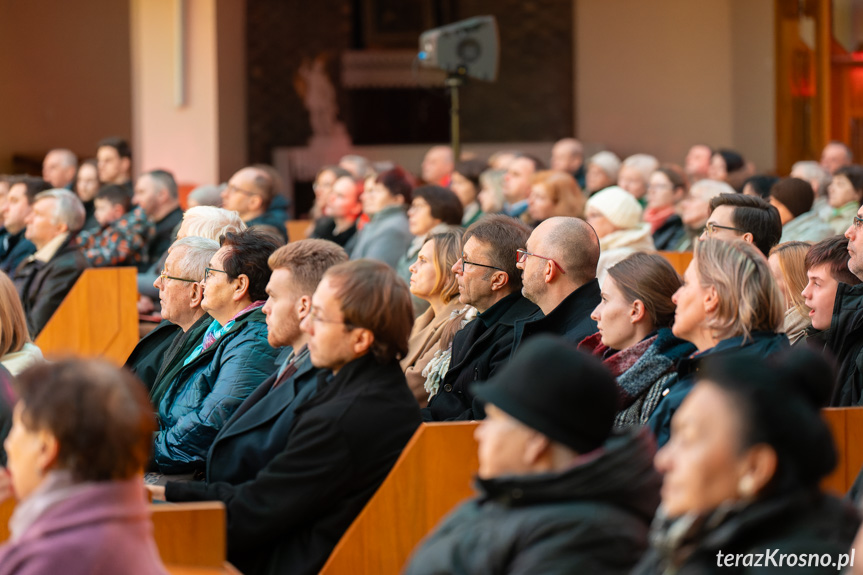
{"x": 14, "y": 247}
{"x": 122, "y": 235}
{"x": 156, "y": 193}
{"x": 616, "y": 216}
{"x": 343, "y": 441}
{"x": 17, "y": 352}
{"x": 488, "y": 280}
{"x": 561, "y": 281}
{"x": 82, "y": 431}
{"x": 44, "y": 278}
{"x": 557, "y": 492}
{"x": 833, "y": 293}
{"x": 433, "y": 281}
{"x": 742, "y": 469}
{"x": 729, "y": 306}
{"x": 634, "y": 340}
{"x": 231, "y": 360}
{"x": 150, "y": 356}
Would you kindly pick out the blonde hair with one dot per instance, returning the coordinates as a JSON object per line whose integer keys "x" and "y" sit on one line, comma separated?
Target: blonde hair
{"x": 564, "y": 192}
{"x": 792, "y": 263}
{"x": 749, "y": 299}
{"x": 13, "y": 324}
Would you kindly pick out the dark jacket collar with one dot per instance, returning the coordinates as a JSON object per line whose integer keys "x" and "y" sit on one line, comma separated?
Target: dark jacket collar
{"x": 576, "y": 305}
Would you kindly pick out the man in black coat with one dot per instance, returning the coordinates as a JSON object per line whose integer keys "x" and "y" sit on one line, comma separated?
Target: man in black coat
{"x": 559, "y": 275}
{"x": 156, "y": 194}
{"x": 557, "y": 492}
{"x": 489, "y": 280}
{"x": 288, "y": 516}
{"x": 44, "y": 279}
{"x": 14, "y": 247}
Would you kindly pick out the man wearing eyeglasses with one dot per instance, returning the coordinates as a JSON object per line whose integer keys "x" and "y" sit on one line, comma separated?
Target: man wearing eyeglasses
{"x": 742, "y": 217}
{"x": 184, "y": 320}
{"x": 489, "y": 280}
{"x": 559, "y": 275}
{"x": 250, "y": 192}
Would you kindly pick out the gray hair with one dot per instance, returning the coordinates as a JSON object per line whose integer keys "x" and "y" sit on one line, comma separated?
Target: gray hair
{"x": 68, "y": 209}
{"x": 364, "y": 167}
{"x": 207, "y": 195}
{"x": 644, "y": 163}
{"x": 67, "y": 157}
{"x": 608, "y": 162}
{"x": 197, "y": 253}
{"x": 164, "y": 180}
{"x": 809, "y": 171}
{"x": 211, "y": 223}
{"x": 708, "y": 189}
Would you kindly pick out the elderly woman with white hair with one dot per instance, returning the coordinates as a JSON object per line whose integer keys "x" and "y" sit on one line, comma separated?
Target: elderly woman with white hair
{"x": 635, "y": 173}
{"x": 616, "y": 216}
{"x": 602, "y": 170}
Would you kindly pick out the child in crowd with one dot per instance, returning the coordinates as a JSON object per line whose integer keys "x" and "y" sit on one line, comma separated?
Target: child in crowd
{"x": 122, "y": 234}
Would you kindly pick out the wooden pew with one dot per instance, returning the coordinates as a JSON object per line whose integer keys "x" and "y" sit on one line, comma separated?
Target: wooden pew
{"x": 98, "y": 318}
{"x": 430, "y": 478}
{"x": 678, "y": 260}
{"x": 297, "y": 229}
{"x": 846, "y": 423}
{"x": 191, "y": 537}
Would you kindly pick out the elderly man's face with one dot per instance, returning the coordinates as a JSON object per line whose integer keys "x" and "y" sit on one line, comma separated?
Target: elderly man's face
{"x": 41, "y": 226}
{"x": 175, "y": 295}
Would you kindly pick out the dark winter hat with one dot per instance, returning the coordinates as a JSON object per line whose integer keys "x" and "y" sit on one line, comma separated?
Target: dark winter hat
{"x": 795, "y": 194}
{"x": 562, "y": 392}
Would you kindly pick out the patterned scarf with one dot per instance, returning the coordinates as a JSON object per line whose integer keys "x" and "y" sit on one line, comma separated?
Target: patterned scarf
{"x": 216, "y": 331}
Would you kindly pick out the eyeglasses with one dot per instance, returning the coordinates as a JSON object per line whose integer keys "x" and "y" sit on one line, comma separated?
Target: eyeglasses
{"x": 522, "y": 255}
{"x": 164, "y": 276}
{"x": 858, "y": 221}
{"x": 232, "y": 188}
{"x": 711, "y": 228}
{"x": 314, "y": 315}
{"x": 209, "y": 271}
{"x": 464, "y": 262}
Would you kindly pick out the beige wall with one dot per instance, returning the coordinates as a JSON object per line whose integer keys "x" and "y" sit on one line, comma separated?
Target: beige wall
{"x": 189, "y": 139}
{"x": 66, "y": 80}
{"x": 659, "y": 76}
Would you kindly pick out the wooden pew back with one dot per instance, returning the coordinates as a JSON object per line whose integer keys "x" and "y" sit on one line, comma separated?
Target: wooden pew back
{"x": 430, "y": 478}
{"x": 98, "y": 318}
{"x": 297, "y": 229}
{"x": 678, "y": 260}
{"x": 846, "y": 423}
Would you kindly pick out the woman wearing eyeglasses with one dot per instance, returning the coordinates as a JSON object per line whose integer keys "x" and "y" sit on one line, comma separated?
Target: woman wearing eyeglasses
{"x": 616, "y": 216}
{"x": 228, "y": 362}
{"x": 634, "y": 339}
{"x": 729, "y": 306}
{"x": 433, "y": 281}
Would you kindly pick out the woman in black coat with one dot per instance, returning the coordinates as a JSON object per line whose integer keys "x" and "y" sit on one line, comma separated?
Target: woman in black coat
{"x": 742, "y": 472}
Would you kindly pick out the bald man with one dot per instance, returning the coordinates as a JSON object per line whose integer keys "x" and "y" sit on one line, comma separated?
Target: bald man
{"x": 559, "y": 275}
{"x": 567, "y": 155}
{"x": 438, "y": 165}
{"x": 250, "y": 192}
{"x": 59, "y": 168}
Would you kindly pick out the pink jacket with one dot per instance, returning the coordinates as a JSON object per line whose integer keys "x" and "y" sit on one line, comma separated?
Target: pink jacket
{"x": 104, "y": 529}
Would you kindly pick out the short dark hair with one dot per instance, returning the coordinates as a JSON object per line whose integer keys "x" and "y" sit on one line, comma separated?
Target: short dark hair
{"x": 165, "y": 179}
{"x": 471, "y": 170}
{"x": 833, "y": 252}
{"x": 397, "y": 182}
{"x": 752, "y": 214}
{"x": 250, "y": 250}
{"x": 119, "y": 144}
{"x": 854, "y": 173}
{"x": 375, "y": 298}
{"x": 307, "y": 260}
{"x": 502, "y": 235}
{"x": 117, "y": 195}
{"x": 33, "y": 186}
{"x": 445, "y": 205}
{"x": 761, "y": 184}
{"x": 99, "y": 414}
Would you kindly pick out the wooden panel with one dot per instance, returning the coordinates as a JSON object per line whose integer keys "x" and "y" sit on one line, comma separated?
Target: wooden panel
{"x": 679, "y": 260}
{"x": 6, "y": 509}
{"x": 837, "y": 482}
{"x": 431, "y": 477}
{"x": 853, "y": 452}
{"x": 191, "y": 533}
{"x": 98, "y": 318}
{"x": 297, "y": 229}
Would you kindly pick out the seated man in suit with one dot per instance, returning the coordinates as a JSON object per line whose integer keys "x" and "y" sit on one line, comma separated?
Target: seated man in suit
{"x": 288, "y": 516}
{"x": 44, "y": 278}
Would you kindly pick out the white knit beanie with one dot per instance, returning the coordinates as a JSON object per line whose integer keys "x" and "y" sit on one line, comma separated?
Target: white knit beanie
{"x": 618, "y": 206}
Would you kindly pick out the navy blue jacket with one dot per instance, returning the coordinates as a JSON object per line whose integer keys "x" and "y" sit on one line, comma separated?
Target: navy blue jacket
{"x": 17, "y": 249}
{"x": 761, "y": 345}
